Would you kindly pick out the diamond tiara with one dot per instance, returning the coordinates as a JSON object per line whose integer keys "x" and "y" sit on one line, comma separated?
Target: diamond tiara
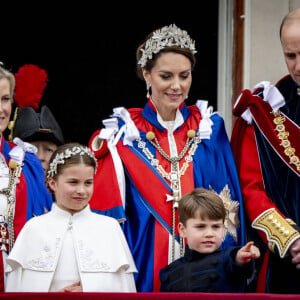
{"x": 60, "y": 158}
{"x": 167, "y": 36}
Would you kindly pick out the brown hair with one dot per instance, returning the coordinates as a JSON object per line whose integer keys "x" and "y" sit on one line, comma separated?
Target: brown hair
{"x": 201, "y": 200}
{"x": 151, "y": 62}
{"x": 72, "y": 160}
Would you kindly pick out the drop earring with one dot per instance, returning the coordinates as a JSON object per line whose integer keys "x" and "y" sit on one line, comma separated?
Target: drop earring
{"x": 148, "y": 86}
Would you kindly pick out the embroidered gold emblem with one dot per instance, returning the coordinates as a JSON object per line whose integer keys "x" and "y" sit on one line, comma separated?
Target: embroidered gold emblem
{"x": 279, "y": 119}
{"x": 283, "y": 135}
{"x": 281, "y": 128}
{"x": 285, "y": 143}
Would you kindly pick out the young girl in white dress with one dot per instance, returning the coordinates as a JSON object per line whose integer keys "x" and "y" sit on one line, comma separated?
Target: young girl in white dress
{"x": 71, "y": 248}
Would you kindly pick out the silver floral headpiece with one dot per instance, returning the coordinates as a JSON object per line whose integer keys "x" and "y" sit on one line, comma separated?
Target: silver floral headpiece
{"x": 167, "y": 36}
{"x": 60, "y": 158}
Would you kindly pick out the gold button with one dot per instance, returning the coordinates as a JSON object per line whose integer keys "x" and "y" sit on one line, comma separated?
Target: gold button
{"x": 12, "y": 164}
{"x": 150, "y": 136}
{"x": 191, "y": 133}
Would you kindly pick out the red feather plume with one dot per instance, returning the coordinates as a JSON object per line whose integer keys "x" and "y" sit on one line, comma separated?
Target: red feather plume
{"x": 30, "y": 85}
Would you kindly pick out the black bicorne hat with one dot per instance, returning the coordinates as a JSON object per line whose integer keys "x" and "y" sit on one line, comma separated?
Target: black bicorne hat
{"x": 32, "y": 126}
{"x": 28, "y": 124}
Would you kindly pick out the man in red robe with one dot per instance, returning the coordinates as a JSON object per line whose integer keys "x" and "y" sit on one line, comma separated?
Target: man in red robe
{"x": 266, "y": 146}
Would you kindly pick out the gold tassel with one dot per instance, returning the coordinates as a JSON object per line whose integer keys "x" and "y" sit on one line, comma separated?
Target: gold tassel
{"x": 11, "y": 125}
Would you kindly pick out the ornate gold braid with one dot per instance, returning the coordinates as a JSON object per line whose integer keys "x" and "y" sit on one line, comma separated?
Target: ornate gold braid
{"x": 279, "y": 231}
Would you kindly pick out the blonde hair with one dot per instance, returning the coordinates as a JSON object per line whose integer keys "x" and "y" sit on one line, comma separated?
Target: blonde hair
{"x": 5, "y": 74}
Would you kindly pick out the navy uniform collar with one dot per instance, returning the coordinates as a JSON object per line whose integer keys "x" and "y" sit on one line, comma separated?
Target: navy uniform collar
{"x": 191, "y": 255}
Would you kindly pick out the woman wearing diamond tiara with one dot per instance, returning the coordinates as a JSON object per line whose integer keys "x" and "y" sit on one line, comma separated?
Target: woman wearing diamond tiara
{"x": 151, "y": 157}
{"x": 23, "y": 193}
{"x": 70, "y": 248}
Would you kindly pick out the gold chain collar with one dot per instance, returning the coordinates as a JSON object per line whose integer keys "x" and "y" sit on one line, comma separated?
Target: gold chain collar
{"x": 283, "y": 135}
{"x": 174, "y": 176}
